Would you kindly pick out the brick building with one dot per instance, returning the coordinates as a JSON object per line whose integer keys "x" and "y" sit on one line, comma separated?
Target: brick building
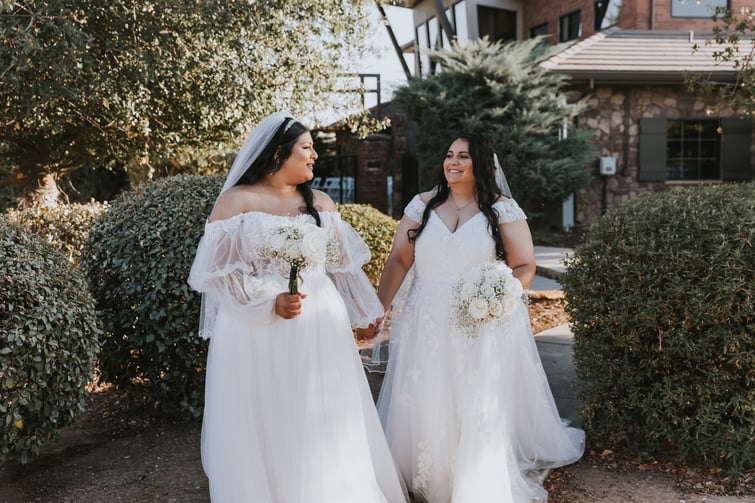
{"x": 629, "y": 59}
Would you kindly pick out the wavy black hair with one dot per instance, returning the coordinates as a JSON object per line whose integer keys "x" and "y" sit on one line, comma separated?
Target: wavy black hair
{"x": 486, "y": 189}
{"x": 282, "y": 143}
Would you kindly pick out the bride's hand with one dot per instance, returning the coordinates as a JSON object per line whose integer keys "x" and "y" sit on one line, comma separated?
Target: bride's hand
{"x": 288, "y": 306}
{"x": 365, "y": 334}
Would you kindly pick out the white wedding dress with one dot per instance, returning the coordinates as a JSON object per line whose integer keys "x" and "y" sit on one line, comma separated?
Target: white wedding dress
{"x": 288, "y": 417}
{"x": 467, "y": 420}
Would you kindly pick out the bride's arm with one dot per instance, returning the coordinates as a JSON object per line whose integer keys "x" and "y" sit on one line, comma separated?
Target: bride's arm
{"x": 398, "y": 263}
{"x": 520, "y": 252}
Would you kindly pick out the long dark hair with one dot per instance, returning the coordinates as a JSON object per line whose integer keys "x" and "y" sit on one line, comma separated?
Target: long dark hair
{"x": 282, "y": 143}
{"x": 486, "y": 190}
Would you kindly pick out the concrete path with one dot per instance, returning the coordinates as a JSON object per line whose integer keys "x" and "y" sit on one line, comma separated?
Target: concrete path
{"x": 555, "y": 344}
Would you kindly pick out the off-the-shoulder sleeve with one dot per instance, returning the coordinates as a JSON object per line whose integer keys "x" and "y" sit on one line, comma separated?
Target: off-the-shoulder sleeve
{"x": 224, "y": 271}
{"x": 358, "y": 294}
{"x": 509, "y": 211}
{"x": 415, "y": 208}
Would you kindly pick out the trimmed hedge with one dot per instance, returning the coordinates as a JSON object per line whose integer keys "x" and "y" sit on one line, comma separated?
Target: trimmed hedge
{"x": 377, "y": 229}
{"x": 64, "y": 226}
{"x": 49, "y": 338}
{"x": 137, "y": 259}
{"x": 660, "y": 293}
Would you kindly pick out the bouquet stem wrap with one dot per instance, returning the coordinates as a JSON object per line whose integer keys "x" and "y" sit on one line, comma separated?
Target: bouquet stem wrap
{"x": 293, "y": 280}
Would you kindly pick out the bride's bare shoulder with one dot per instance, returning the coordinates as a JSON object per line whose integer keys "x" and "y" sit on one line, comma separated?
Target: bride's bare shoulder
{"x": 238, "y": 199}
{"x": 322, "y": 201}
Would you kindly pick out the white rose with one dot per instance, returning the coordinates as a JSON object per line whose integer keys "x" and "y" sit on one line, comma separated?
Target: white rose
{"x": 293, "y": 250}
{"x": 278, "y": 241}
{"x": 493, "y": 275}
{"x": 513, "y": 288}
{"x": 314, "y": 246}
{"x": 487, "y": 292}
{"x": 467, "y": 290}
{"x": 495, "y": 308}
{"x": 478, "y": 308}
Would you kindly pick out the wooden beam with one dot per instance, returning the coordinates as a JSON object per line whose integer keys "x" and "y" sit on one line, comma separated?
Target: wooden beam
{"x": 392, "y": 36}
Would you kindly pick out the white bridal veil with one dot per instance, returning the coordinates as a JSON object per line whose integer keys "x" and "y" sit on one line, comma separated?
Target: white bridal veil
{"x": 254, "y": 144}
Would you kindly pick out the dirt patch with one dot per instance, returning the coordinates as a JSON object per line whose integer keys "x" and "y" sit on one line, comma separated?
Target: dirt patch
{"x": 121, "y": 453}
{"x": 546, "y": 309}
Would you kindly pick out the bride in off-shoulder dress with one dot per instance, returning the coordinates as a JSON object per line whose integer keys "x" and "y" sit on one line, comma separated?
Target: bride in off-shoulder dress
{"x": 288, "y": 415}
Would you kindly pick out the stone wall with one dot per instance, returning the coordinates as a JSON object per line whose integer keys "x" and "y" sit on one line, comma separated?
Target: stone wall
{"x": 614, "y": 113}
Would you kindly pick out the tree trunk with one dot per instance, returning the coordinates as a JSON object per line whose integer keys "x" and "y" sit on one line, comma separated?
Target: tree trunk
{"x": 40, "y": 191}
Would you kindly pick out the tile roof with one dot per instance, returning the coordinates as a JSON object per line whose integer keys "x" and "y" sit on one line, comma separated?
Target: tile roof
{"x": 639, "y": 56}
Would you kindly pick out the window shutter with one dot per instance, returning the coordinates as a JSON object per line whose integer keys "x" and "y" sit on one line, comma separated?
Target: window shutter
{"x": 735, "y": 150}
{"x": 652, "y": 149}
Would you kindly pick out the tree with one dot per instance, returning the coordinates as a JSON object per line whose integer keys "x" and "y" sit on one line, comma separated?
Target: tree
{"x": 730, "y": 35}
{"x": 500, "y": 91}
{"x": 142, "y": 84}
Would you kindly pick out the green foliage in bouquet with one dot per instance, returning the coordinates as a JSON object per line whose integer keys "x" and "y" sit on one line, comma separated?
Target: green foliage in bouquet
{"x": 49, "y": 339}
{"x": 64, "y": 226}
{"x": 137, "y": 260}
{"x": 377, "y": 230}
{"x": 660, "y": 293}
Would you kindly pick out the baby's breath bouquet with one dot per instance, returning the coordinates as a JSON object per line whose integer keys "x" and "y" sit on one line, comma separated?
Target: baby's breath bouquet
{"x": 299, "y": 243}
{"x": 486, "y": 294}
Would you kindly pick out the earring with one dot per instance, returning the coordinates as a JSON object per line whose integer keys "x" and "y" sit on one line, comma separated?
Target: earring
{"x": 275, "y": 167}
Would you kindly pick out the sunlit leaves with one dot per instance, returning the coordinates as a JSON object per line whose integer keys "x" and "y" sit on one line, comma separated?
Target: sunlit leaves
{"x": 139, "y": 84}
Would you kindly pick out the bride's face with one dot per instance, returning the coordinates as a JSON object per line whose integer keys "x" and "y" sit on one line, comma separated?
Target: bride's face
{"x": 299, "y": 166}
{"x": 457, "y": 165}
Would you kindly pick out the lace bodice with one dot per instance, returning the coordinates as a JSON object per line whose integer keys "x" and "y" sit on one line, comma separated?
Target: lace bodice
{"x": 443, "y": 256}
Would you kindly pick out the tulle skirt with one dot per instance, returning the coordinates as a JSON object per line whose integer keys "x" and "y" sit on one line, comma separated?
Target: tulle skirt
{"x": 470, "y": 420}
{"x": 289, "y": 417}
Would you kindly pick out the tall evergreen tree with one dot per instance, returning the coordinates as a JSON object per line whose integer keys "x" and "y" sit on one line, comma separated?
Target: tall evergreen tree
{"x": 500, "y": 91}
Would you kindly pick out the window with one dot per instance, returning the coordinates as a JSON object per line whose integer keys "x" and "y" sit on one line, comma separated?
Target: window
{"x": 422, "y": 44}
{"x": 541, "y": 29}
{"x": 695, "y": 149}
{"x": 696, "y": 8}
{"x": 460, "y": 22}
{"x": 569, "y": 26}
{"x": 444, "y": 38}
{"x": 496, "y": 24}
{"x": 433, "y": 33}
{"x": 606, "y": 13}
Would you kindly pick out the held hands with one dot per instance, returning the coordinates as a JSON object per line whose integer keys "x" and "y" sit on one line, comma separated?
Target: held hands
{"x": 288, "y": 306}
{"x": 366, "y": 334}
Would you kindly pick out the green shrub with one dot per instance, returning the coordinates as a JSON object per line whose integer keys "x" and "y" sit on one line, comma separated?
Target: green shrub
{"x": 660, "y": 293}
{"x": 377, "y": 229}
{"x": 64, "y": 226}
{"x": 49, "y": 338}
{"x": 137, "y": 260}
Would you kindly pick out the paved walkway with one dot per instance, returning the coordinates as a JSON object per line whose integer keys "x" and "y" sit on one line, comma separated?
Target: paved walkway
{"x": 555, "y": 344}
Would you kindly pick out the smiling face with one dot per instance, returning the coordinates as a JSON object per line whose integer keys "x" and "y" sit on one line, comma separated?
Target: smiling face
{"x": 457, "y": 166}
{"x": 299, "y": 166}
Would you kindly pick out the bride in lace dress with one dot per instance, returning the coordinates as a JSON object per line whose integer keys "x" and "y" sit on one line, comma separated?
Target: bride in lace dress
{"x": 468, "y": 420}
{"x": 288, "y": 416}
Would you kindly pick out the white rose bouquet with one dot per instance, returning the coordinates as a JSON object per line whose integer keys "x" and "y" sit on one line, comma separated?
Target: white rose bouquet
{"x": 299, "y": 243}
{"x": 486, "y": 294}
